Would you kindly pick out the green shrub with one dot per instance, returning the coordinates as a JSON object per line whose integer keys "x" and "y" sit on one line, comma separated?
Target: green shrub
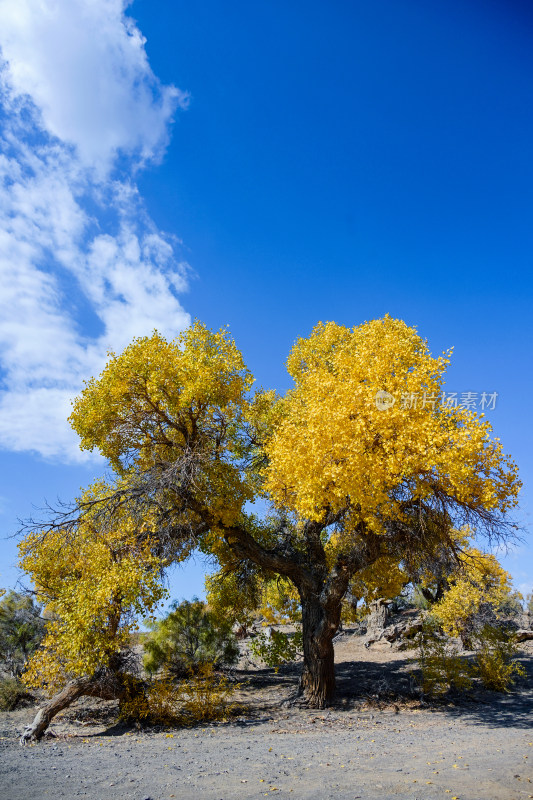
{"x": 11, "y": 693}
{"x": 511, "y": 605}
{"x": 188, "y": 637}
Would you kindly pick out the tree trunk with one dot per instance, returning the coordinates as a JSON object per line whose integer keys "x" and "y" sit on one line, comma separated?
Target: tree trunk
{"x": 110, "y": 689}
{"x": 319, "y": 625}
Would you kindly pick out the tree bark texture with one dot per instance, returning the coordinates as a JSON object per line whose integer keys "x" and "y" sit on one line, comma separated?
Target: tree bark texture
{"x": 319, "y": 625}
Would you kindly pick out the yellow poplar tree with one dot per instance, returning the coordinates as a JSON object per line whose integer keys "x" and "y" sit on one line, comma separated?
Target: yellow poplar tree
{"x": 95, "y": 581}
{"x": 353, "y": 481}
{"x": 481, "y": 581}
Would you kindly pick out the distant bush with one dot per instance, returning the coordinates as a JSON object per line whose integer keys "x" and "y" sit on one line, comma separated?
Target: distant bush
{"x": 495, "y": 658}
{"x": 162, "y": 700}
{"x": 511, "y": 605}
{"x": 188, "y": 637}
{"x": 12, "y": 692}
{"x": 418, "y": 600}
{"x": 441, "y": 666}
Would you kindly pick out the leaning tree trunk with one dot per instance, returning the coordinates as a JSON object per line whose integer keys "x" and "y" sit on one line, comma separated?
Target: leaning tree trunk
{"x": 319, "y": 625}
{"x": 108, "y": 687}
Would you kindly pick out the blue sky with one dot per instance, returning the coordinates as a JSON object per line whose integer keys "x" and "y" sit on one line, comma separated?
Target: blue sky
{"x": 263, "y": 165}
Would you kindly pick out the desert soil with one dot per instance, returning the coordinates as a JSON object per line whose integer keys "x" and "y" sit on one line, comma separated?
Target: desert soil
{"x": 379, "y": 741}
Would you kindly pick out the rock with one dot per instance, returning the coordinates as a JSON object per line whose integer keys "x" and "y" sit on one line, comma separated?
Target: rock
{"x": 377, "y": 621}
{"x": 240, "y": 631}
{"x": 379, "y": 631}
{"x": 526, "y": 620}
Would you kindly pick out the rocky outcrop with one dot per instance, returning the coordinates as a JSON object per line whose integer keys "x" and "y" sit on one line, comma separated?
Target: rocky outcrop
{"x": 383, "y": 628}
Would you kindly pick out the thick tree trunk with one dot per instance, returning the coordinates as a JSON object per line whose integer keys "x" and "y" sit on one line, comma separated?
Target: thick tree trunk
{"x": 319, "y": 625}
{"x": 109, "y": 689}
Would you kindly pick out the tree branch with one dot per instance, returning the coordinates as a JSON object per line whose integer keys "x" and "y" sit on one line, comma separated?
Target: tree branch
{"x": 245, "y": 546}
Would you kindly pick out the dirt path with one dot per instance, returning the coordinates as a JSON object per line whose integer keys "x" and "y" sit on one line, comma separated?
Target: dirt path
{"x": 473, "y": 751}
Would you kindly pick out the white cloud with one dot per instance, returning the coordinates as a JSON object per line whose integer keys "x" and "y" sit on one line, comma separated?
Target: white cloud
{"x": 74, "y": 282}
{"x": 84, "y": 64}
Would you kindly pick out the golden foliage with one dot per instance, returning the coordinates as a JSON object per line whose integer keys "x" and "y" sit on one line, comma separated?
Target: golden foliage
{"x": 229, "y": 597}
{"x": 96, "y": 582}
{"x": 203, "y": 697}
{"x": 280, "y": 602}
{"x": 478, "y": 580}
{"x": 206, "y": 696}
{"x": 443, "y": 668}
{"x": 385, "y": 578}
{"x": 177, "y": 424}
{"x": 334, "y": 443}
{"x": 158, "y": 399}
{"x": 476, "y": 590}
{"x": 154, "y": 701}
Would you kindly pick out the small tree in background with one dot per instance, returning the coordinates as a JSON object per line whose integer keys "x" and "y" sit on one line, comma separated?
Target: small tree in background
{"x": 512, "y": 605}
{"x": 97, "y": 579}
{"x": 189, "y": 637}
{"x": 475, "y": 607}
{"x": 477, "y": 590}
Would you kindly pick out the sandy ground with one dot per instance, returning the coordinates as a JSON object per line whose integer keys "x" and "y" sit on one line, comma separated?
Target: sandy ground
{"x": 376, "y": 743}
